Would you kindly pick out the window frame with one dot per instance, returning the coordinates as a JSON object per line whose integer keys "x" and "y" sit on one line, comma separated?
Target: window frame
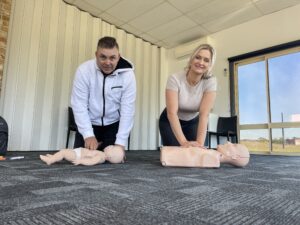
{"x": 252, "y": 57}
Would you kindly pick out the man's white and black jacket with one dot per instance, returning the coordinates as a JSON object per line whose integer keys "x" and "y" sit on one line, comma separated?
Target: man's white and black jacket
{"x": 103, "y": 100}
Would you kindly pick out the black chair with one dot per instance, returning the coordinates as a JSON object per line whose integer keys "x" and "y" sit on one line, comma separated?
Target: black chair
{"x": 226, "y": 127}
{"x": 71, "y": 124}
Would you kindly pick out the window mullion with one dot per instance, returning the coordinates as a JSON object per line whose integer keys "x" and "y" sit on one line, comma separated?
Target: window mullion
{"x": 268, "y": 103}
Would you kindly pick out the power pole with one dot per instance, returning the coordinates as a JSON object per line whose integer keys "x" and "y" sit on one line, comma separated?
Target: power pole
{"x": 282, "y": 129}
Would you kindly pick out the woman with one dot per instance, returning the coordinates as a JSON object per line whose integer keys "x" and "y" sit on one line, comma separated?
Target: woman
{"x": 190, "y": 95}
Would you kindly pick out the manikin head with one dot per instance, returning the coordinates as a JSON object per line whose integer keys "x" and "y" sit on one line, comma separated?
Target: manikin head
{"x": 114, "y": 154}
{"x": 235, "y": 154}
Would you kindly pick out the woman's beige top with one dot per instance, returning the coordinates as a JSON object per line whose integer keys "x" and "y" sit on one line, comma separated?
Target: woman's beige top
{"x": 189, "y": 97}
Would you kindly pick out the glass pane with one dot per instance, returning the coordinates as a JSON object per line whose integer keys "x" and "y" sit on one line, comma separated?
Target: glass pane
{"x": 286, "y": 140}
{"x": 255, "y": 140}
{"x": 284, "y": 76}
{"x": 252, "y": 93}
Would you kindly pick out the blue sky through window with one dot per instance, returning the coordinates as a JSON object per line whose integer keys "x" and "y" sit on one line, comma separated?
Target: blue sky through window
{"x": 284, "y": 78}
{"x": 284, "y": 72}
{"x": 252, "y": 93}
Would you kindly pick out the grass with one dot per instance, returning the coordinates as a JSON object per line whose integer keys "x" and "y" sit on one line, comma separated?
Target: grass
{"x": 263, "y": 146}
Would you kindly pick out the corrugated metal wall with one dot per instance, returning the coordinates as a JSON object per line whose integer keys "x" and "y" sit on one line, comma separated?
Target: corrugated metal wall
{"x": 47, "y": 42}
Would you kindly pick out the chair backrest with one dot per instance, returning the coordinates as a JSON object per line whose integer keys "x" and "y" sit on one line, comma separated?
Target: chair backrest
{"x": 226, "y": 124}
{"x": 71, "y": 120}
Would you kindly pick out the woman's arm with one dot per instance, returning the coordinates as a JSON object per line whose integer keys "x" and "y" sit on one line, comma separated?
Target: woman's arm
{"x": 206, "y": 105}
{"x": 172, "y": 109}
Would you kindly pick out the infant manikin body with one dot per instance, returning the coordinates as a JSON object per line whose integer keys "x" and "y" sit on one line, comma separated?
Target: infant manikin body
{"x": 234, "y": 154}
{"x": 87, "y": 157}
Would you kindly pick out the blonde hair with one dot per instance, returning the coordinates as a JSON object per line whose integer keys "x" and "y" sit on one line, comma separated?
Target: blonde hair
{"x": 212, "y": 51}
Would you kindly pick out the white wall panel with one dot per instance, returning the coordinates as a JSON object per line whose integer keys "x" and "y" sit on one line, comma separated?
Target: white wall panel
{"x": 136, "y": 141}
{"x": 22, "y": 69}
{"x": 82, "y": 44}
{"x": 154, "y": 99}
{"x": 121, "y": 39}
{"x": 106, "y": 29}
{"x": 130, "y": 48}
{"x": 96, "y": 33}
{"x": 42, "y": 64}
{"x": 49, "y": 74}
{"x": 57, "y": 76}
{"x": 47, "y": 42}
{"x": 66, "y": 75}
{"x": 90, "y": 45}
{"x": 27, "y": 129}
{"x": 144, "y": 97}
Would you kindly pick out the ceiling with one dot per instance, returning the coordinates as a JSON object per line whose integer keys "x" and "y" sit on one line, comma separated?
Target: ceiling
{"x": 168, "y": 23}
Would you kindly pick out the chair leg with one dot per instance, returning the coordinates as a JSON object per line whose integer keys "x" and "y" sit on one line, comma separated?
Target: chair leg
{"x": 68, "y": 135}
{"x": 218, "y": 139}
{"x": 128, "y": 144}
{"x": 233, "y": 139}
{"x": 209, "y": 141}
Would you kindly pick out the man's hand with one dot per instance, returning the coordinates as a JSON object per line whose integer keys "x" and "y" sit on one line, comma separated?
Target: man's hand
{"x": 91, "y": 143}
{"x": 123, "y": 147}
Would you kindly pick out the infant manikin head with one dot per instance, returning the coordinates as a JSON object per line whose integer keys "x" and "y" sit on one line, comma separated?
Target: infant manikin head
{"x": 235, "y": 154}
{"x": 114, "y": 154}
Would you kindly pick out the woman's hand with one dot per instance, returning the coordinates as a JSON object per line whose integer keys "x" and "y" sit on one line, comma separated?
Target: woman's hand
{"x": 187, "y": 144}
{"x": 195, "y": 144}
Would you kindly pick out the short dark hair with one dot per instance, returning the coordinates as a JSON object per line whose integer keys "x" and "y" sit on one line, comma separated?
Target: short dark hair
{"x": 107, "y": 42}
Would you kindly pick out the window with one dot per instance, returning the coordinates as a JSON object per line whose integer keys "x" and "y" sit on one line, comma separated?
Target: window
{"x": 266, "y": 98}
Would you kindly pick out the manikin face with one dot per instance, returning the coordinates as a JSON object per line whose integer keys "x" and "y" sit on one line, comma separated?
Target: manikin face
{"x": 201, "y": 62}
{"x": 227, "y": 149}
{"x": 107, "y": 59}
{"x": 235, "y": 154}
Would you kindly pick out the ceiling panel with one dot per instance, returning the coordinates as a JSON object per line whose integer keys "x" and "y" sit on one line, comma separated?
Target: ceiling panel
{"x": 146, "y": 36}
{"x": 88, "y": 8}
{"x": 100, "y": 4}
{"x": 111, "y": 19}
{"x": 268, "y": 6}
{"x": 232, "y": 19}
{"x": 131, "y": 29}
{"x": 175, "y": 26}
{"x": 186, "y": 36}
{"x": 69, "y": 1}
{"x": 133, "y": 8}
{"x": 168, "y": 23}
{"x": 155, "y": 17}
{"x": 186, "y": 6}
{"x": 215, "y": 9}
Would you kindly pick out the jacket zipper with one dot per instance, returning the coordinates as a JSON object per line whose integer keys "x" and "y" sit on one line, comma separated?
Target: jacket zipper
{"x": 103, "y": 96}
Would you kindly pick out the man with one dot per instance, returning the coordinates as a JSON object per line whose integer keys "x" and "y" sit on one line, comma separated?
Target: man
{"x": 103, "y": 98}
